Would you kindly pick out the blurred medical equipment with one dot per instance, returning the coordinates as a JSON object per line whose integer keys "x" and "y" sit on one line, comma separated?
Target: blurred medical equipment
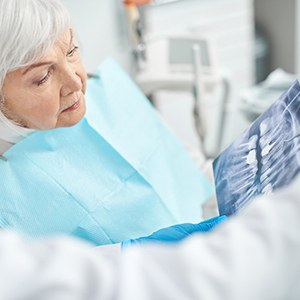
{"x": 180, "y": 62}
{"x": 164, "y": 1}
{"x": 257, "y": 99}
{"x": 135, "y": 27}
{"x": 187, "y": 62}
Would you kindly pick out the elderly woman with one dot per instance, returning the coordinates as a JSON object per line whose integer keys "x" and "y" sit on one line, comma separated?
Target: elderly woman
{"x": 105, "y": 175}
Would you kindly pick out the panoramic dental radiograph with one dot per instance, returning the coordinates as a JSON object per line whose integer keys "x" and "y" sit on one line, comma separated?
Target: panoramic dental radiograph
{"x": 264, "y": 158}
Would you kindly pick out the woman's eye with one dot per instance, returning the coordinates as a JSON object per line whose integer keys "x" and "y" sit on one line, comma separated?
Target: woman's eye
{"x": 44, "y": 79}
{"x": 72, "y": 52}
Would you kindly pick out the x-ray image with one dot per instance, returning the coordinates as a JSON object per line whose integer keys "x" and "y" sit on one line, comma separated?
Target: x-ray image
{"x": 266, "y": 157}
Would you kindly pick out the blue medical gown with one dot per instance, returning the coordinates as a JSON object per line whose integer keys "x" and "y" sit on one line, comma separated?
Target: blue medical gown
{"x": 118, "y": 174}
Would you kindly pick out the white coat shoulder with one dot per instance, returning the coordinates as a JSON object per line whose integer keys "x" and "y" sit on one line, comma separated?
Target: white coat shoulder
{"x": 253, "y": 256}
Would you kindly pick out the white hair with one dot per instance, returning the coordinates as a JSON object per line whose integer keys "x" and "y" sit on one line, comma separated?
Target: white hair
{"x": 28, "y": 29}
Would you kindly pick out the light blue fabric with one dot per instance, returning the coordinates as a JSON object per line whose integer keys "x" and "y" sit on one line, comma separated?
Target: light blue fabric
{"x": 118, "y": 174}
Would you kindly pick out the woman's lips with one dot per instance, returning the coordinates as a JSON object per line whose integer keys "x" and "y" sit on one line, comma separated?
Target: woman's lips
{"x": 73, "y": 107}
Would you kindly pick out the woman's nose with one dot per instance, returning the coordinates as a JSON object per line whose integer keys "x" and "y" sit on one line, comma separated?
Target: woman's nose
{"x": 71, "y": 82}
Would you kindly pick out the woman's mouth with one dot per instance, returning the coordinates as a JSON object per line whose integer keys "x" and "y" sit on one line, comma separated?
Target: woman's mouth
{"x": 73, "y": 106}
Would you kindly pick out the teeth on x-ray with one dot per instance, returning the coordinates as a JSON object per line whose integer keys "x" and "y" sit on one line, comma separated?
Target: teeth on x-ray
{"x": 267, "y": 189}
{"x": 246, "y": 167}
{"x": 271, "y": 153}
{"x": 261, "y": 161}
{"x": 265, "y": 175}
{"x": 251, "y": 158}
{"x": 266, "y": 150}
{"x": 263, "y": 127}
{"x": 265, "y": 158}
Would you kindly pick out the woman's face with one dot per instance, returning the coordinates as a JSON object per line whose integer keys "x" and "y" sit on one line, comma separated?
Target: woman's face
{"x": 49, "y": 93}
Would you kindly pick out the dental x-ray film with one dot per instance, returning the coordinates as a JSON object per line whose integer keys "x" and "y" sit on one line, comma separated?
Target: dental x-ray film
{"x": 264, "y": 158}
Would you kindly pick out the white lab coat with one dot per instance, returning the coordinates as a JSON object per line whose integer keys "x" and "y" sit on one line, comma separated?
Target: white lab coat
{"x": 255, "y": 255}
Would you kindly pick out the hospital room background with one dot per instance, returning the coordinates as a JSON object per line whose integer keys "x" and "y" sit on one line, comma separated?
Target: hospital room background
{"x": 210, "y": 67}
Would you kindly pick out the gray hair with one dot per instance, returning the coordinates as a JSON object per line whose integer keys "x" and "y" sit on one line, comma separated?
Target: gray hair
{"x": 28, "y": 29}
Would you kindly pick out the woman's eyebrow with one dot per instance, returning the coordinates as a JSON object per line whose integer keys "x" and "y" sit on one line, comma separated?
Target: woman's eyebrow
{"x": 71, "y": 37}
{"x": 37, "y": 65}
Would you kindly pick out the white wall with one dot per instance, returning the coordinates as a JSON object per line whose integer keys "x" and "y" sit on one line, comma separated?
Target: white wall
{"x": 279, "y": 19}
